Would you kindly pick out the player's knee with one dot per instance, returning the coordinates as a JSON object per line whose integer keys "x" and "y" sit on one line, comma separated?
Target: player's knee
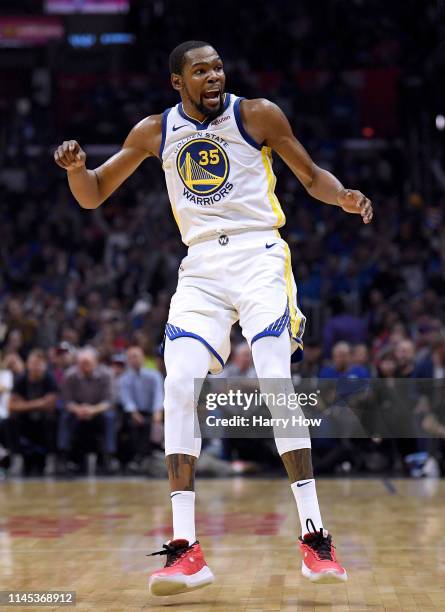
{"x": 272, "y": 368}
{"x": 179, "y": 389}
{"x": 287, "y": 445}
{"x": 273, "y": 371}
{"x": 274, "y": 385}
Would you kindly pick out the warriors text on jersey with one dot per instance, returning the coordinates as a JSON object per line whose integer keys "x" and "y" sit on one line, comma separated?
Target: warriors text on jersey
{"x": 219, "y": 179}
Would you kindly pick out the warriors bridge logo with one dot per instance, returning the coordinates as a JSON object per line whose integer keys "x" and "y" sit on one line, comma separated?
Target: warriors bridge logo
{"x": 203, "y": 166}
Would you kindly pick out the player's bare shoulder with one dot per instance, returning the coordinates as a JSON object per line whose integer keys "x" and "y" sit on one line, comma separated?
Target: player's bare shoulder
{"x": 257, "y": 105}
{"x": 146, "y": 135}
{"x": 257, "y": 116}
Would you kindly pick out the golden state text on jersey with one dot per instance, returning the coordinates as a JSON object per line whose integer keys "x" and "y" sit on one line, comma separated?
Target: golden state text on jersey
{"x": 204, "y": 167}
{"x": 219, "y": 180}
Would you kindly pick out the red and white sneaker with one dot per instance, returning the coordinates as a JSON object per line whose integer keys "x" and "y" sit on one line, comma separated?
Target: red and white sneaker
{"x": 184, "y": 570}
{"x": 319, "y": 560}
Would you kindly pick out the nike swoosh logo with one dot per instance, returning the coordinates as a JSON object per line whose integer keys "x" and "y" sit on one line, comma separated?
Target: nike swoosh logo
{"x": 180, "y": 493}
{"x": 174, "y": 128}
{"x": 269, "y": 246}
{"x": 302, "y": 483}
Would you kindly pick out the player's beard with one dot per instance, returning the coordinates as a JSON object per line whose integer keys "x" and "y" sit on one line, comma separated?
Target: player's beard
{"x": 200, "y": 106}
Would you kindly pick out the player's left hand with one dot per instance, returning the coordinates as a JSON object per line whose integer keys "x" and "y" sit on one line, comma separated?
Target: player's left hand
{"x": 353, "y": 201}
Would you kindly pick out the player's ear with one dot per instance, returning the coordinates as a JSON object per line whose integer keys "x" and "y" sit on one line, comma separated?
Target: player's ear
{"x": 176, "y": 81}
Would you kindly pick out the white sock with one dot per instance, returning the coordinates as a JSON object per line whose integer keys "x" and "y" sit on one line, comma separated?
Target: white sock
{"x": 183, "y": 507}
{"x": 305, "y": 494}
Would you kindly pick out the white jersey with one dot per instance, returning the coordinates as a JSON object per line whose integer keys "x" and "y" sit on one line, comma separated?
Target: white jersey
{"x": 219, "y": 179}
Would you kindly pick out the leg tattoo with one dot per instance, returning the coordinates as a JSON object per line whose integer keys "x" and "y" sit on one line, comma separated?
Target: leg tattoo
{"x": 298, "y": 464}
{"x": 181, "y": 472}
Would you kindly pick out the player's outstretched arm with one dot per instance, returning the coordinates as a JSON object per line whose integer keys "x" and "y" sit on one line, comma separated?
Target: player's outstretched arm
{"x": 267, "y": 124}
{"x": 92, "y": 187}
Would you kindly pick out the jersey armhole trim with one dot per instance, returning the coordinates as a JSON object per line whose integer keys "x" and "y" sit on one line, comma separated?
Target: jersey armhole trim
{"x": 239, "y": 123}
{"x": 164, "y": 131}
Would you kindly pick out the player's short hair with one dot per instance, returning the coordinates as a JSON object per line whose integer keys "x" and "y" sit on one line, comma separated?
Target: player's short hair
{"x": 176, "y": 59}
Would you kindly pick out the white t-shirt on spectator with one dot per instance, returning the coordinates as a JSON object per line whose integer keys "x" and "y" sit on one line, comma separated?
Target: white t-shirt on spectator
{"x": 6, "y": 380}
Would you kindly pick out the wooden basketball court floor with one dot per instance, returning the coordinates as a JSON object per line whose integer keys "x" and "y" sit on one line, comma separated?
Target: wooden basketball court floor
{"x": 91, "y": 536}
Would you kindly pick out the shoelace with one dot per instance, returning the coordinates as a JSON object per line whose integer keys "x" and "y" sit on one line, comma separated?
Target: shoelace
{"x": 320, "y": 544}
{"x": 173, "y": 553}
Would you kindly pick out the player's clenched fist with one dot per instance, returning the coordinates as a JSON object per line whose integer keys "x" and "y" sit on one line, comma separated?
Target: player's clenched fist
{"x": 70, "y": 155}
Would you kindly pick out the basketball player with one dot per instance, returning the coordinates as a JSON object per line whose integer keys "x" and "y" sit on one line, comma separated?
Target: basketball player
{"x": 215, "y": 150}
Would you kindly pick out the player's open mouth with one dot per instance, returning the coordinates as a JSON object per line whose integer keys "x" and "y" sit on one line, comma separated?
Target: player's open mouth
{"x": 213, "y": 97}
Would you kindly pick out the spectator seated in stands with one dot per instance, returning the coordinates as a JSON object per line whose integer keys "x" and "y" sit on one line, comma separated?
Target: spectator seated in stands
{"x": 62, "y": 358}
{"x": 88, "y": 419}
{"x": 6, "y": 384}
{"x": 32, "y": 422}
{"x": 15, "y": 364}
{"x": 409, "y": 393}
{"x": 141, "y": 396}
{"x": 342, "y": 364}
{"x": 429, "y": 373}
{"x": 331, "y": 452}
{"x": 360, "y": 357}
{"x": 405, "y": 353}
{"x": 241, "y": 364}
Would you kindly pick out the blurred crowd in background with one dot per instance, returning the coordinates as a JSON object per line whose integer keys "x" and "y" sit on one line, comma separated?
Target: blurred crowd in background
{"x": 349, "y": 77}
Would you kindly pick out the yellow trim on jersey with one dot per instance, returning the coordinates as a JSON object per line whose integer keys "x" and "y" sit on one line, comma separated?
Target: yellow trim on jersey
{"x": 176, "y": 218}
{"x": 266, "y": 156}
{"x": 295, "y": 320}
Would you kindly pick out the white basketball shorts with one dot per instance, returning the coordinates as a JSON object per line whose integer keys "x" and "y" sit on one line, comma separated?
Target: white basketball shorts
{"x": 245, "y": 276}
